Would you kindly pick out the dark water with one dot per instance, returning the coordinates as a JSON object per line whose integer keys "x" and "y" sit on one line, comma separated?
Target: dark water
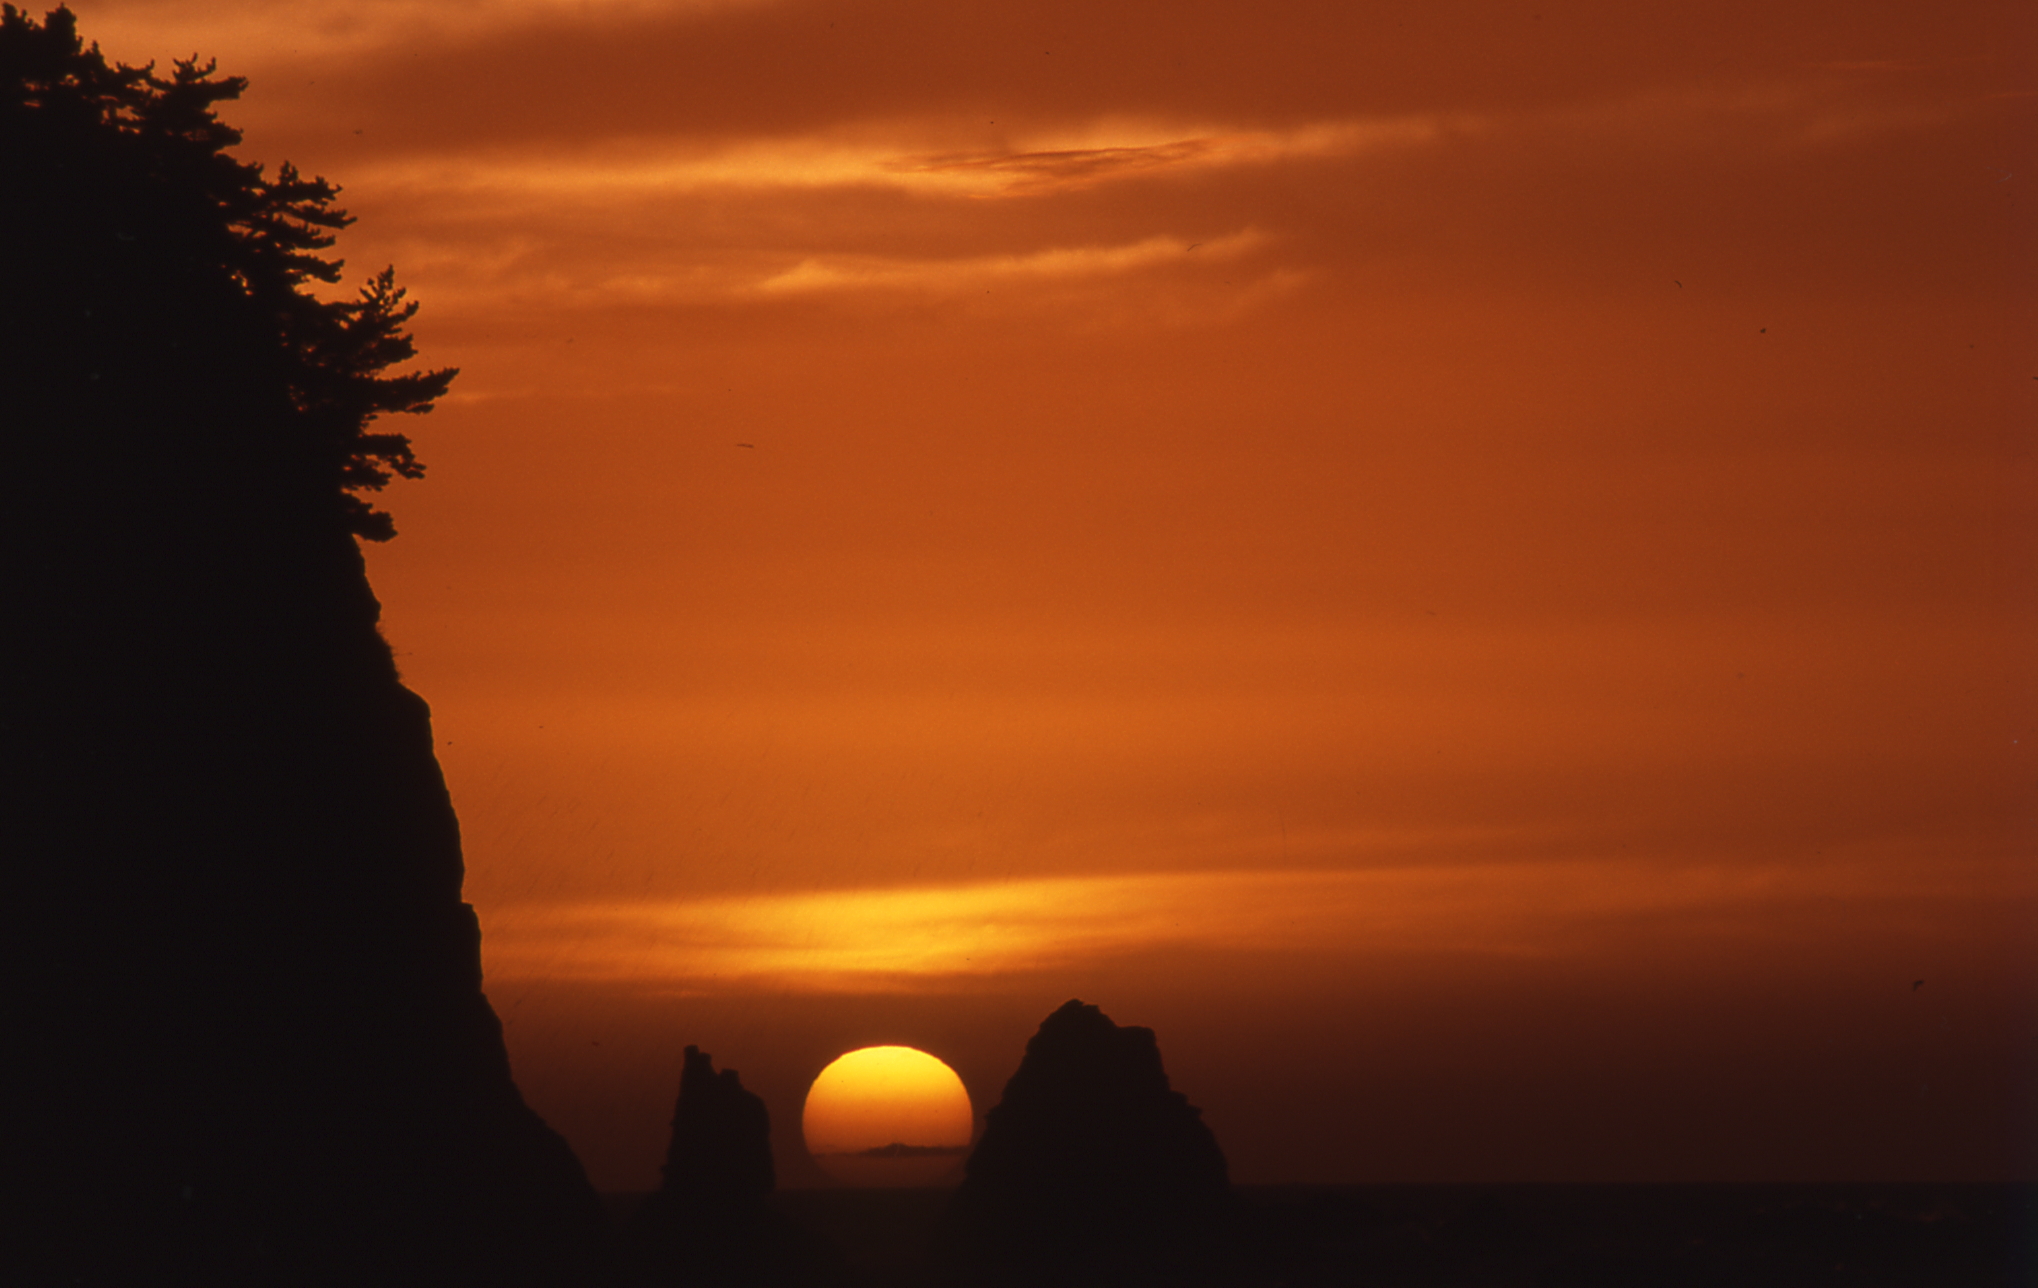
{"x": 1535, "y": 1236}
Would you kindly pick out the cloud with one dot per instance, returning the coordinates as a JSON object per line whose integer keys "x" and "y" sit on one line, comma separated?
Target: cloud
{"x": 1063, "y": 166}
{"x": 136, "y": 31}
{"x": 647, "y": 221}
{"x": 883, "y": 156}
{"x": 1184, "y": 280}
{"x": 1023, "y": 171}
{"x": 933, "y": 936}
{"x": 950, "y": 276}
{"x": 893, "y": 205}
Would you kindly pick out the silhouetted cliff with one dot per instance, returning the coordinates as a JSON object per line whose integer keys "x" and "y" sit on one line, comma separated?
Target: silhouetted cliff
{"x": 1091, "y": 1168}
{"x": 248, "y": 1041}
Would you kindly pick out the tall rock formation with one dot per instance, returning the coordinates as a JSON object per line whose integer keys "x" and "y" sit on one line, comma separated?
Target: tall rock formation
{"x": 720, "y": 1153}
{"x": 247, "y": 1039}
{"x": 708, "y": 1224}
{"x": 1091, "y": 1168}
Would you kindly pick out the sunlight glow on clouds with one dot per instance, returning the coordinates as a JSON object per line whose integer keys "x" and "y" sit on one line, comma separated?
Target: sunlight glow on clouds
{"x": 931, "y": 936}
{"x": 674, "y": 217}
{"x": 1066, "y": 160}
{"x": 1174, "y": 290}
{"x": 635, "y": 184}
{"x": 951, "y": 275}
{"x": 1098, "y": 158}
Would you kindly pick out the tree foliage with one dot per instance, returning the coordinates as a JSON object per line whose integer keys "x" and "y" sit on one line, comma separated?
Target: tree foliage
{"x": 126, "y": 163}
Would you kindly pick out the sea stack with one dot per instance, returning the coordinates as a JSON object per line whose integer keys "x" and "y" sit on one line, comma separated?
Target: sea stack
{"x": 720, "y": 1154}
{"x": 247, "y": 1038}
{"x": 708, "y": 1224}
{"x": 1091, "y": 1167}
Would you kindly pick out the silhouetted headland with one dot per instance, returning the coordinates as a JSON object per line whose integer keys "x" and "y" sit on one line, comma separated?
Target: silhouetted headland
{"x": 248, "y": 1041}
{"x": 1091, "y": 1168}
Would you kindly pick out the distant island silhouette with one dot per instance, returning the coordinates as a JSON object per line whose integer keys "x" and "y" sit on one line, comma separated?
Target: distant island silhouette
{"x": 898, "y": 1150}
{"x": 247, "y": 1039}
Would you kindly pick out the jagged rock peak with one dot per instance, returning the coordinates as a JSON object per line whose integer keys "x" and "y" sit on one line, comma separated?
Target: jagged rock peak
{"x": 1091, "y": 1168}
{"x": 721, "y": 1137}
{"x": 1090, "y": 1109}
{"x": 1080, "y": 1053}
{"x": 712, "y": 1224}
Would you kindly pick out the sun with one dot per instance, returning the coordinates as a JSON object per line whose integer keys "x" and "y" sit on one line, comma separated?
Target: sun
{"x": 887, "y": 1116}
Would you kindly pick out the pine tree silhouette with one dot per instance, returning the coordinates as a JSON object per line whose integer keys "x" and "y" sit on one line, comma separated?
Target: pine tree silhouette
{"x": 158, "y": 275}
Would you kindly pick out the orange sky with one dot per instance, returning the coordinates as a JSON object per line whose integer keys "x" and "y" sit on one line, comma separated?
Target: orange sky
{"x": 1470, "y": 563}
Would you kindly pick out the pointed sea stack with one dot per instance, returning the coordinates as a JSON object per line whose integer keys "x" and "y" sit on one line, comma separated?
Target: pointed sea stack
{"x": 720, "y": 1152}
{"x": 710, "y": 1225}
{"x": 1091, "y": 1169}
{"x": 720, "y": 1155}
{"x": 247, "y": 1042}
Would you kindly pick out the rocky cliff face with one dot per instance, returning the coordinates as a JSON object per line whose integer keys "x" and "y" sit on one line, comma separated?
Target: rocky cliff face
{"x": 248, "y": 1042}
{"x": 255, "y": 1044}
{"x": 1091, "y": 1167}
{"x": 256, "y": 1041}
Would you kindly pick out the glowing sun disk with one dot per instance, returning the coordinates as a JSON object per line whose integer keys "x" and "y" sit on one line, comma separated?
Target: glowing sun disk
{"x": 886, "y": 1095}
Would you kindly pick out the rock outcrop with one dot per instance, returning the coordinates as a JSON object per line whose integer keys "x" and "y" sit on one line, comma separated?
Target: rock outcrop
{"x": 709, "y": 1222}
{"x": 1091, "y": 1168}
{"x": 720, "y": 1155}
{"x": 248, "y": 1043}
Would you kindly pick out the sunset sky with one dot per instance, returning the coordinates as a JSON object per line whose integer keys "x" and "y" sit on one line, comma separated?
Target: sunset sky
{"x": 1472, "y": 564}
